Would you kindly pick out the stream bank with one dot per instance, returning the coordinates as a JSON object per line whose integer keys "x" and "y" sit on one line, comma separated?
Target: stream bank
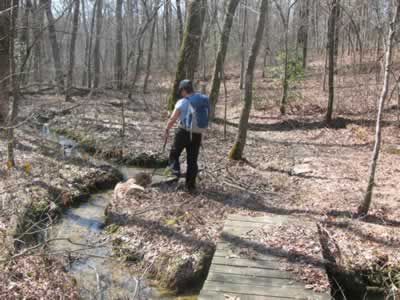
{"x": 102, "y": 267}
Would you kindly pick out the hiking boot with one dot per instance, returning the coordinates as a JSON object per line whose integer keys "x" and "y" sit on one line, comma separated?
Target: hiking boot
{"x": 191, "y": 190}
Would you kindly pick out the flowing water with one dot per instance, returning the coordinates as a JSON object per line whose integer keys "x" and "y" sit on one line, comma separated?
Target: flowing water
{"x": 80, "y": 236}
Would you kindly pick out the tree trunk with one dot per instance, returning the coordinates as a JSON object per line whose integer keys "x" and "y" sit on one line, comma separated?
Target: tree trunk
{"x": 337, "y": 34}
{"x": 331, "y": 59}
{"x": 25, "y": 39}
{"x": 236, "y": 152}
{"x": 180, "y": 21}
{"x": 4, "y": 59}
{"x": 14, "y": 84}
{"x": 303, "y": 29}
{"x": 37, "y": 49}
{"x": 150, "y": 54}
{"x": 267, "y": 48}
{"x": 140, "y": 44}
{"x": 87, "y": 37}
{"x": 243, "y": 44}
{"x": 285, "y": 82}
{"x": 70, "y": 73}
{"x": 365, "y": 205}
{"x": 167, "y": 36}
{"x": 285, "y": 18}
{"x": 189, "y": 53}
{"x": 90, "y": 46}
{"x": 96, "y": 51}
{"x": 118, "y": 45}
{"x": 54, "y": 46}
{"x": 222, "y": 49}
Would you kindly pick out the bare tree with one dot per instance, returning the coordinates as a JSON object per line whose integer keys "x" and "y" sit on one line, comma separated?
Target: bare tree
{"x": 54, "y": 45}
{"x": 96, "y": 51}
{"x": 285, "y": 18}
{"x": 332, "y": 51}
{"x": 5, "y": 7}
{"x": 267, "y": 43}
{"x": 302, "y": 36}
{"x": 151, "y": 14}
{"x": 38, "y": 16}
{"x": 25, "y": 37}
{"x": 167, "y": 33}
{"x": 88, "y": 51}
{"x": 189, "y": 54}
{"x": 180, "y": 20}
{"x": 365, "y": 205}
{"x": 118, "y": 45}
{"x": 71, "y": 65}
{"x": 150, "y": 54}
{"x": 243, "y": 43}
{"x": 14, "y": 84}
{"x": 236, "y": 152}
{"x": 222, "y": 49}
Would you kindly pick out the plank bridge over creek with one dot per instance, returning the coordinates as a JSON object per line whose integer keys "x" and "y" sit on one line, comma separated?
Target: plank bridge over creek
{"x": 251, "y": 277}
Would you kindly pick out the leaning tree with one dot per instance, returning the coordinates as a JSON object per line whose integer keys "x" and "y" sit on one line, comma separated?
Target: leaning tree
{"x": 222, "y": 49}
{"x": 5, "y": 9}
{"x": 365, "y": 205}
{"x": 189, "y": 54}
{"x": 236, "y": 152}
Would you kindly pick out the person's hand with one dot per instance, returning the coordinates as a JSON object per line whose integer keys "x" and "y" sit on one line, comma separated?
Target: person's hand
{"x": 166, "y": 133}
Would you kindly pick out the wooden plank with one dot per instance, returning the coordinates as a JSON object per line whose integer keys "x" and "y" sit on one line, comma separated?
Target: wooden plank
{"x": 288, "y": 292}
{"x": 237, "y": 248}
{"x": 229, "y": 224}
{"x": 263, "y": 219}
{"x": 252, "y": 280}
{"x": 257, "y": 272}
{"x": 212, "y": 295}
{"x": 251, "y": 275}
{"x": 235, "y": 223}
{"x": 245, "y": 262}
{"x": 241, "y": 232}
{"x": 228, "y": 252}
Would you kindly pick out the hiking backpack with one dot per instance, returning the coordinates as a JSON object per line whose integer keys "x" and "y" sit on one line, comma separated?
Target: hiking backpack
{"x": 197, "y": 117}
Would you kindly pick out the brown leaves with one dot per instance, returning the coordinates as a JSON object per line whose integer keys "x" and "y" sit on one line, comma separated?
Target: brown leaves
{"x": 35, "y": 278}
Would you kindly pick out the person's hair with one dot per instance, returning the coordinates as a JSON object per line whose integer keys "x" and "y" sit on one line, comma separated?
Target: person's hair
{"x": 189, "y": 89}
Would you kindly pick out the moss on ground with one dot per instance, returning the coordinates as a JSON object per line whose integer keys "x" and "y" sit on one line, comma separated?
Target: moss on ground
{"x": 181, "y": 274}
{"x": 85, "y": 142}
{"x": 145, "y": 160}
{"x": 377, "y": 280}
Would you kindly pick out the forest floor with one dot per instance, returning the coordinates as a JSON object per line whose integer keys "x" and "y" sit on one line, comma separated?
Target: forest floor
{"x": 294, "y": 165}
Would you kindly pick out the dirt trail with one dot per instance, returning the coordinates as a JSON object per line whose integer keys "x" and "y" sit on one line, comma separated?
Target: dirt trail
{"x": 294, "y": 166}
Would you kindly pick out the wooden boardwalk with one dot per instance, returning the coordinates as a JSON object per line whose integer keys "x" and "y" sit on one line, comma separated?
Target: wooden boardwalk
{"x": 235, "y": 276}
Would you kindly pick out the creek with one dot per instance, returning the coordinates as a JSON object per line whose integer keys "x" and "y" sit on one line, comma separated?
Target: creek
{"x": 98, "y": 274}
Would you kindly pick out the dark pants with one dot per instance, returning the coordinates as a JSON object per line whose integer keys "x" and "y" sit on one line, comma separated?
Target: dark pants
{"x": 191, "y": 142}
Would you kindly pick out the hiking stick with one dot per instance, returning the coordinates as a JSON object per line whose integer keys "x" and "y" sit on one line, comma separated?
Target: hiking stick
{"x": 165, "y": 143}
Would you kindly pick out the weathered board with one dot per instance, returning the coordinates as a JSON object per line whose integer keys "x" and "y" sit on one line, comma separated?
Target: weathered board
{"x": 240, "y": 273}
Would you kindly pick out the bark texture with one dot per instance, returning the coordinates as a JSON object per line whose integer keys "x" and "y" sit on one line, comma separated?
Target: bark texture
{"x": 4, "y": 59}
{"x": 365, "y": 205}
{"x": 118, "y": 68}
{"x": 37, "y": 36}
{"x": 331, "y": 59}
{"x": 96, "y": 51}
{"x": 71, "y": 65}
{"x": 54, "y": 45}
{"x": 150, "y": 55}
{"x": 189, "y": 53}
{"x": 14, "y": 84}
{"x": 236, "y": 152}
{"x": 223, "y": 46}
{"x": 302, "y": 35}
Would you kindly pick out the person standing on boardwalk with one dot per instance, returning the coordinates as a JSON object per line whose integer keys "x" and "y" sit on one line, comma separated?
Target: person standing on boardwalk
{"x": 193, "y": 111}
